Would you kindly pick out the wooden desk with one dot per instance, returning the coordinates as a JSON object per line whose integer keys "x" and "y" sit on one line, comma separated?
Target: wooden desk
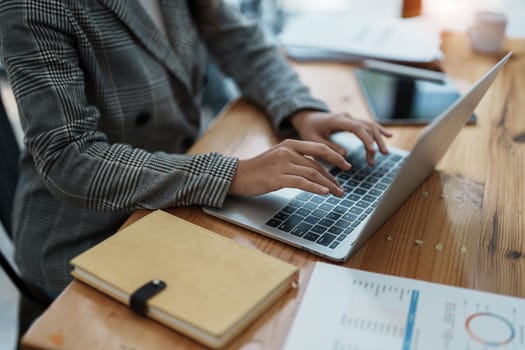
{"x": 473, "y": 205}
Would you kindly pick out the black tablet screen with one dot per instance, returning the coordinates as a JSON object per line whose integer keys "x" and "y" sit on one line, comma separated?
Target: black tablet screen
{"x": 399, "y": 99}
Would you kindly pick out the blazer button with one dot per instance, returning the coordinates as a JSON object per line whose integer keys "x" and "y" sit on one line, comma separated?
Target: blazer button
{"x": 142, "y": 119}
{"x": 187, "y": 143}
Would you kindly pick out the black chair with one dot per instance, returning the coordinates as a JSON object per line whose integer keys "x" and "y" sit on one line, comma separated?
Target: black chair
{"x": 33, "y": 301}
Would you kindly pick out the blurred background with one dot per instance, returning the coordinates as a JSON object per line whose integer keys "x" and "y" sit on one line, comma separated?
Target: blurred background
{"x": 443, "y": 14}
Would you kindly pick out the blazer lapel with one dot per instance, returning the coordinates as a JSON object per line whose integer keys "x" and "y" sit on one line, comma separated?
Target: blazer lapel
{"x": 131, "y": 13}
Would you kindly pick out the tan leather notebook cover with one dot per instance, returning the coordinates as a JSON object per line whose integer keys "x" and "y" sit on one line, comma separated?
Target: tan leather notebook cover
{"x": 215, "y": 286}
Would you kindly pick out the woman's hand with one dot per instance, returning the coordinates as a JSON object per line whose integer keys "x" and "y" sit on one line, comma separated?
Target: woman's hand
{"x": 289, "y": 164}
{"x": 292, "y": 163}
{"x": 318, "y": 126}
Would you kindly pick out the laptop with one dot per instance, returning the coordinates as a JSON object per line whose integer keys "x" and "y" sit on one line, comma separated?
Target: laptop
{"x": 336, "y": 227}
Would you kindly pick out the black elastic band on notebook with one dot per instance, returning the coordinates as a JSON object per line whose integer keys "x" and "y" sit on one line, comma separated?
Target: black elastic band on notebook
{"x": 139, "y": 299}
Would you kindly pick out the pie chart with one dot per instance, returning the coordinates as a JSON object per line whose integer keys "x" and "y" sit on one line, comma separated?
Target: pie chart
{"x": 490, "y": 329}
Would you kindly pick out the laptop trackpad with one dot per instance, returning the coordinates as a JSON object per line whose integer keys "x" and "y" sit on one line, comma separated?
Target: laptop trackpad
{"x": 253, "y": 211}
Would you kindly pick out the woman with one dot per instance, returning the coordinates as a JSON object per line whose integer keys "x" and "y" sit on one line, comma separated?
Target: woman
{"x": 109, "y": 92}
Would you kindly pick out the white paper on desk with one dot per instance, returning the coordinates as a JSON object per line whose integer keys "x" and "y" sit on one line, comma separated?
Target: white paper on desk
{"x": 348, "y": 309}
{"x": 323, "y": 36}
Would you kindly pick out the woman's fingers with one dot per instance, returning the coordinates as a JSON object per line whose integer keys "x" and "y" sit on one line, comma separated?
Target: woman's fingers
{"x": 311, "y": 170}
{"x": 366, "y": 135}
{"x": 340, "y": 150}
{"x": 318, "y": 126}
{"x": 317, "y": 150}
{"x": 289, "y": 164}
{"x": 370, "y": 133}
{"x": 378, "y": 136}
{"x": 302, "y": 165}
{"x": 302, "y": 183}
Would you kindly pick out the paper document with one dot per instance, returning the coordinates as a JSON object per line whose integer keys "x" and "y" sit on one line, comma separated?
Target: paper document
{"x": 321, "y": 36}
{"x": 348, "y": 309}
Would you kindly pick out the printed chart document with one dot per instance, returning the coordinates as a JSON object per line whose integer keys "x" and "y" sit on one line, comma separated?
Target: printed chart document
{"x": 348, "y": 309}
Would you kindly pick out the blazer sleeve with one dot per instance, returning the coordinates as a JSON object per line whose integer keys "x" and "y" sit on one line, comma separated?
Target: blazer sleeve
{"x": 72, "y": 157}
{"x": 257, "y": 66}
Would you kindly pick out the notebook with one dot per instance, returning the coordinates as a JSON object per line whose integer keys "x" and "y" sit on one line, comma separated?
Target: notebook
{"x": 214, "y": 286}
{"x": 335, "y": 227}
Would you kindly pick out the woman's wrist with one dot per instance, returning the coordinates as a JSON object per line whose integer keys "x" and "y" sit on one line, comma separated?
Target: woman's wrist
{"x": 297, "y": 118}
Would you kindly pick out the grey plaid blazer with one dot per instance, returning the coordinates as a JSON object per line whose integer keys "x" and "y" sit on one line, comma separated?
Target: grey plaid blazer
{"x": 109, "y": 106}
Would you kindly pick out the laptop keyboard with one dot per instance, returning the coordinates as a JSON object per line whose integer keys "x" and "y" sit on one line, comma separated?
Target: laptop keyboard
{"x": 328, "y": 220}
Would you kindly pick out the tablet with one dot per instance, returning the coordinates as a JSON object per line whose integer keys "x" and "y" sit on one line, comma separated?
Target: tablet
{"x": 403, "y": 99}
